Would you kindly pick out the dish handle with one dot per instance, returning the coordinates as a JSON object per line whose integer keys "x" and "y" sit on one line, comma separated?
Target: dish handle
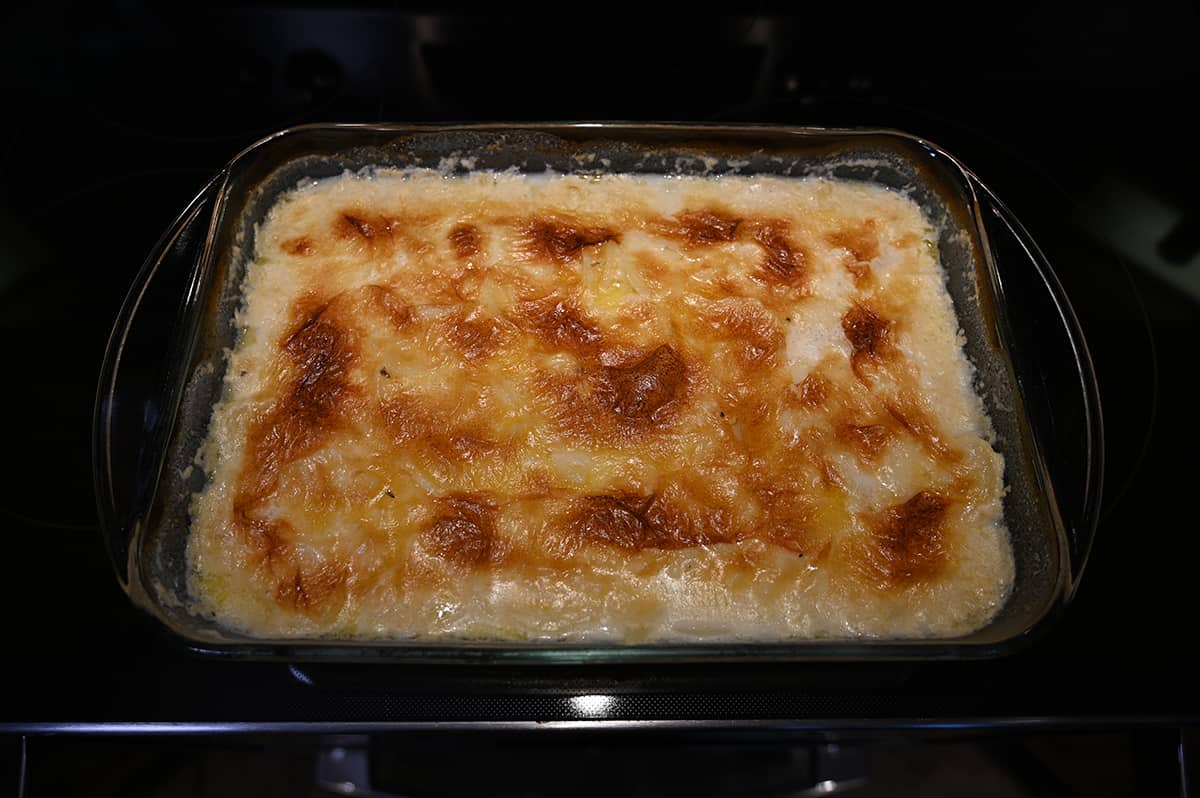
{"x": 1075, "y": 416}
{"x": 138, "y": 375}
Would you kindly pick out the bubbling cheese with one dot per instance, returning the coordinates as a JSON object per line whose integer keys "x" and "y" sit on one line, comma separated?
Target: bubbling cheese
{"x": 614, "y": 408}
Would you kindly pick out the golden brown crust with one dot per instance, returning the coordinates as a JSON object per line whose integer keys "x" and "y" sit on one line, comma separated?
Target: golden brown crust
{"x": 396, "y": 310}
{"x": 560, "y": 324}
{"x": 783, "y": 260}
{"x": 466, "y": 241}
{"x": 869, "y": 335}
{"x": 561, "y": 239}
{"x": 300, "y": 246}
{"x": 464, "y": 532}
{"x": 701, "y": 227}
{"x": 747, "y": 324}
{"x": 908, "y": 543}
{"x": 475, "y": 337}
{"x": 644, "y": 390}
{"x": 867, "y": 440}
{"x": 364, "y": 224}
{"x": 917, "y": 422}
{"x": 814, "y": 391}
{"x": 861, "y": 243}
{"x": 660, "y": 521}
{"x": 409, "y": 421}
{"x": 319, "y": 353}
{"x": 512, "y": 393}
{"x": 312, "y": 591}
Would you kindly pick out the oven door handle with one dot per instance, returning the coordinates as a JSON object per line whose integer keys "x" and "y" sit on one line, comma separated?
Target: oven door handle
{"x": 132, "y": 401}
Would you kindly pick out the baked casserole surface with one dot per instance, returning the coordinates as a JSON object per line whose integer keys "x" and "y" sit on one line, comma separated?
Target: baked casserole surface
{"x": 498, "y": 406}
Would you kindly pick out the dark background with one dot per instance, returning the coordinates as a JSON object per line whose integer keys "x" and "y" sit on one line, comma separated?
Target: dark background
{"x": 1081, "y": 120}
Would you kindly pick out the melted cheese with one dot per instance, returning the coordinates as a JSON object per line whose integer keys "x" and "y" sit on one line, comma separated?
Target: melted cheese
{"x": 598, "y": 408}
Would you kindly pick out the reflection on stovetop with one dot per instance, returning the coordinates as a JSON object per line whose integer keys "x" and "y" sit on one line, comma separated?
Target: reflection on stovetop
{"x": 130, "y": 112}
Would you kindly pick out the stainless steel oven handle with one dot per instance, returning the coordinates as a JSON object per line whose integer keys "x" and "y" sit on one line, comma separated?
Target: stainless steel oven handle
{"x": 1082, "y": 528}
{"x": 120, "y": 518}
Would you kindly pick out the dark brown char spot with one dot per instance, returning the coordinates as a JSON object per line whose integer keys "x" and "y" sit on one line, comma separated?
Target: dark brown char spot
{"x": 635, "y": 523}
{"x": 643, "y": 390}
{"x": 298, "y": 246}
{"x": 783, "y": 259}
{"x": 463, "y": 534}
{"x": 908, "y": 542}
{"x": 706, "y": 227}
{"x": 311, "y": 591}
{"x": 367, "y": 225}
{"x": 559, "y": 323}
{"x": 465, "y": 241}
{"x": 561, "y": 241}
{"x": 867, "y": 440}
{"x": 321, "y": 354}
{"x": 868, "y": 334}
{"x": 612, "y": 520}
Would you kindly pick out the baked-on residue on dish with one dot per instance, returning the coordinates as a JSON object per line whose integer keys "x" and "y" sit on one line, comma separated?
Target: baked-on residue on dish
{"x": 607, "y": 408}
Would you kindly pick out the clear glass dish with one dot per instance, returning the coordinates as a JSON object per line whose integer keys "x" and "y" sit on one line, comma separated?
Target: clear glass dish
{"x": 164, "y": 365}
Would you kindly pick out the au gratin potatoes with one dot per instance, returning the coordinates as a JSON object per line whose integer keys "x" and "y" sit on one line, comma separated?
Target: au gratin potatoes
{"x": 612, "y": 408}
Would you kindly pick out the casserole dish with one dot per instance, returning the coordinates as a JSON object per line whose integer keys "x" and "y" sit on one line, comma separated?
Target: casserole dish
{"x": 146, "y": 477}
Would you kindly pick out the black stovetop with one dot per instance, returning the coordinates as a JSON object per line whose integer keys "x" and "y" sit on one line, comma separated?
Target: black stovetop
{"x": 1080, "y": 123}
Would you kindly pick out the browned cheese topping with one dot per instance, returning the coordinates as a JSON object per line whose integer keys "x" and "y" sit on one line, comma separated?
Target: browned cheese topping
{"x": 606, "y": 408}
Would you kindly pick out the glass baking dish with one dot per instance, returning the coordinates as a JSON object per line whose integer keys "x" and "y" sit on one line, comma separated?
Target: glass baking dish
{"x": 164, "y": 365}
